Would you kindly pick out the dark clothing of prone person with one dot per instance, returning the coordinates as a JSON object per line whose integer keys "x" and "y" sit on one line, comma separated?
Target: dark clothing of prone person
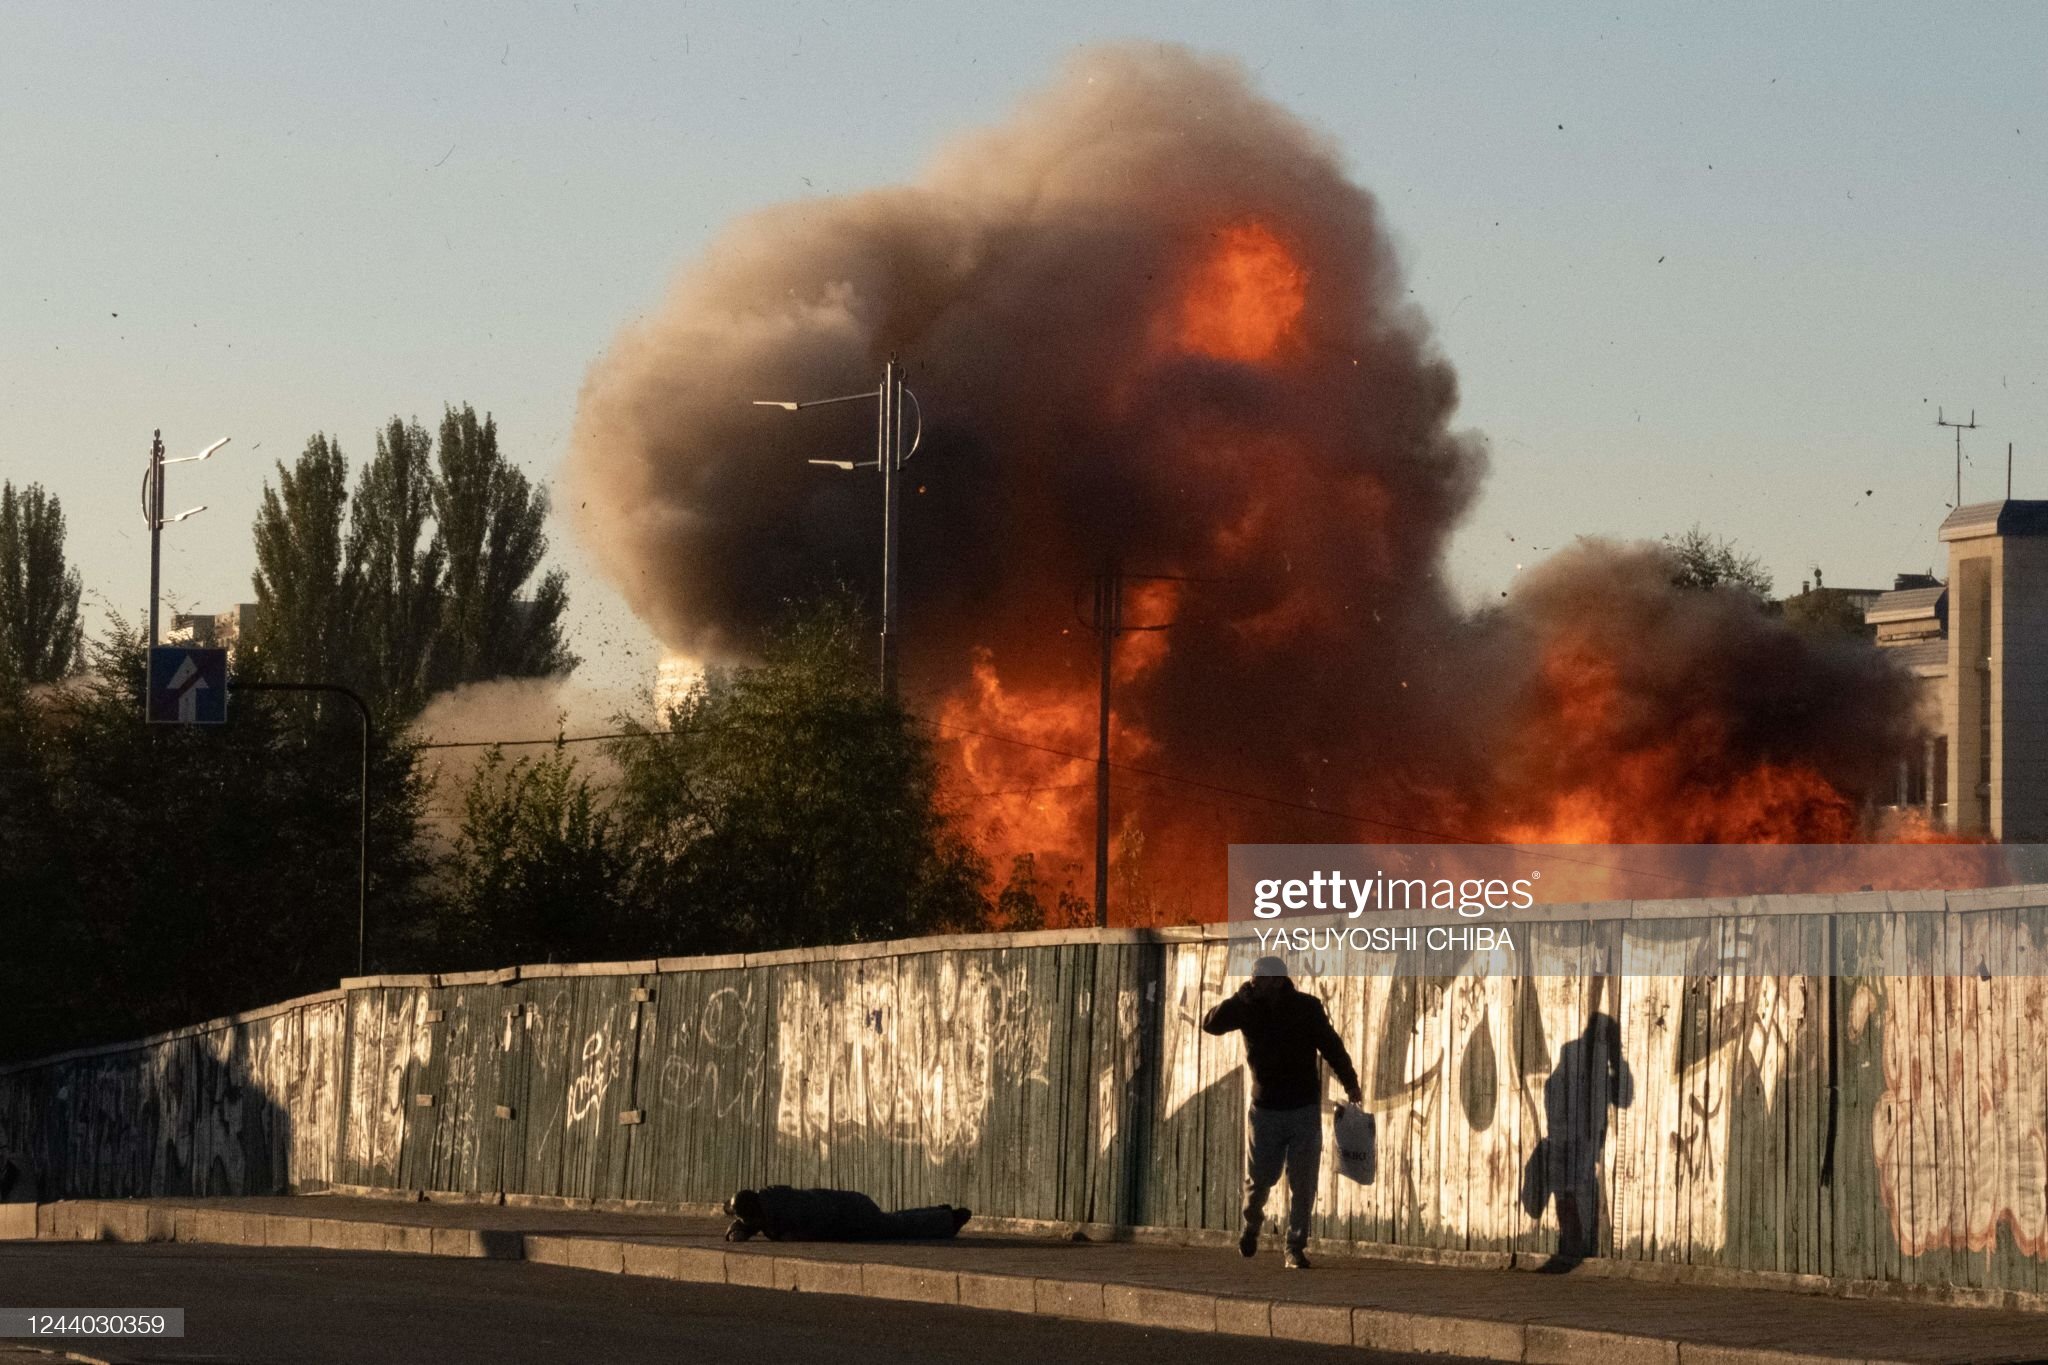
{"x": 782, "y": 1214}
{"x": 1284, "y": 1031}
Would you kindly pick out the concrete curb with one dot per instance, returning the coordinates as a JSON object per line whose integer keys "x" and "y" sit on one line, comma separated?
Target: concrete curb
{"x": 1644, "y": 1272}
{"x": 1140, "y": 1305}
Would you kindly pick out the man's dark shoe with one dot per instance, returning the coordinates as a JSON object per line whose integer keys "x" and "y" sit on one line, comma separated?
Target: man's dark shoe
{"x": 961, "y": 1213}
{"x": 1297, "y": 1261}
{"x": 1248, "y": 1241}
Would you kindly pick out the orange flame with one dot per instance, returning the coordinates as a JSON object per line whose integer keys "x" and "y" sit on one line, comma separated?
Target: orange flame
{"x": 1583, "y": 763}
{"x": 1589, "y": 778}
{"x": 1245, "y": 299}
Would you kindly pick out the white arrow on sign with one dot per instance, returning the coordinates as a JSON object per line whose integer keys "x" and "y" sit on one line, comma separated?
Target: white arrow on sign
{"x": 187, "y": 683}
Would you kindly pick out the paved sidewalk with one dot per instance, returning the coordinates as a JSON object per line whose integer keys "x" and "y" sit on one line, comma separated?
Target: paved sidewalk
{"x": 1395, "y": 1306}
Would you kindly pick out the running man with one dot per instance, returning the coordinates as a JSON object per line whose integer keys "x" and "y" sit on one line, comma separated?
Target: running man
{"x": 1283, "y": 1031}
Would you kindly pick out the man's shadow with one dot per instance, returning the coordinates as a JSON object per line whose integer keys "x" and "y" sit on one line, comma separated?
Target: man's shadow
{"x": 1591, "y": 1076}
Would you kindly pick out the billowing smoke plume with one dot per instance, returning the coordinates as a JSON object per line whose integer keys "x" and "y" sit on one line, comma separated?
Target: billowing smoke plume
{"x": 475, "y": 714}
{"x": 1149, "y": 320}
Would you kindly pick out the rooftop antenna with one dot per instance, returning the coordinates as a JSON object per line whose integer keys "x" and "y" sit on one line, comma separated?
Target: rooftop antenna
{"x": 2008, "y": 471}
{"x": 1942, "y": 421}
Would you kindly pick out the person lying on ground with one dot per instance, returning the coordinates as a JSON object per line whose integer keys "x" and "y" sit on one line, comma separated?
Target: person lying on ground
{"x": 782, "y": 1214}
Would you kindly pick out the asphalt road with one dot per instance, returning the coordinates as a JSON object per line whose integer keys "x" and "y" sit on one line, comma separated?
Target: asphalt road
{"x": 246, "y": 1306}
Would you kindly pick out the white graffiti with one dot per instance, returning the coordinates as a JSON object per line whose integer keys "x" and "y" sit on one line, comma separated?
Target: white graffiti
{"x": 601, "y": 1061}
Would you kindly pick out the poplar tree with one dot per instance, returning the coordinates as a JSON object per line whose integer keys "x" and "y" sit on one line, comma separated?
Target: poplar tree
{"x": 306, "y": 581}
{"x": 40, "y": 635}
{"x": 402, "y": 567}
{"x": 489, "y": 524}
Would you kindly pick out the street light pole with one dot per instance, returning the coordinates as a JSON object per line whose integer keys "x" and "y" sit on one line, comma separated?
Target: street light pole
{"x": 890, "y": 457}
{"x": 887, "y": 446}
{"x": 153, "y": 513}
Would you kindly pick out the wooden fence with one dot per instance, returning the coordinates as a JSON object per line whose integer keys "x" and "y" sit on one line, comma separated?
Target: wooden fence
{"x": 1861, "y": 1127}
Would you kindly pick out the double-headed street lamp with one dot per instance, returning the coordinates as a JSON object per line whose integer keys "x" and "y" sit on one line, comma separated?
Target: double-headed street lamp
{"x": 153, "y": 513}
{"x": 890, "y": 457}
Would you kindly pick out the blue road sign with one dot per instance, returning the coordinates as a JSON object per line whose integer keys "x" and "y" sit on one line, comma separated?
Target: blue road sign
{"x": 188, "y": 686}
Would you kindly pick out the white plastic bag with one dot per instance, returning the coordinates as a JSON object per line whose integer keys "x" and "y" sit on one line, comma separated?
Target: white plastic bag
{"x": 1358, "y": 1155}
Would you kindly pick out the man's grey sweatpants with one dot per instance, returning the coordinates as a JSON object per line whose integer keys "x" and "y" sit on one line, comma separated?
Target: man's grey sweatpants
{"x": 1293, "y": 1139}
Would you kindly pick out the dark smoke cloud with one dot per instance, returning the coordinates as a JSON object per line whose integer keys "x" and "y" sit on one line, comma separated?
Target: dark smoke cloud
{"x": 1029, "y": 281}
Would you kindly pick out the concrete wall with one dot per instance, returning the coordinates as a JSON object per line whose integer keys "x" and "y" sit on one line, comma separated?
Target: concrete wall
{"x": 1852, "y": 1126}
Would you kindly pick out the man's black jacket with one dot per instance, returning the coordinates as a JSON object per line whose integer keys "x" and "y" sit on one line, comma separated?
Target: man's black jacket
{"x": 1283, "y": 1032}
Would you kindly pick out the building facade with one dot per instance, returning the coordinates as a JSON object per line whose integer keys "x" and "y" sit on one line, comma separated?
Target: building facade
{"x": 1979, "y": 646}
{"x": 219, "y": 630}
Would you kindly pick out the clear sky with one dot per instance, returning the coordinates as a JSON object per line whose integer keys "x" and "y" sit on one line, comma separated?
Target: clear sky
{"x": 1711, "y": 263}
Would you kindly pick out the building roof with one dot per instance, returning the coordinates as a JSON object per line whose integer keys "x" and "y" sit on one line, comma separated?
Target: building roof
{"x": 1906, "y": 604}
{"x": 2009, "y": 517}
{"x": 1927, "y": 658}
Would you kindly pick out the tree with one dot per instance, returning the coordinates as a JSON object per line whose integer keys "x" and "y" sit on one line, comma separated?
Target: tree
{"x": 539, "y": 871}
{"x": 306, "y": 582}
{"x": 489, "y": 521}
{"x": 155, "y": 875}
{"x": 402, "y": 571}
{"x": 792, "y": 804}
{"x": 40, "y": 635}
{"x": 1703, "y": 561}
{"x": 1031, "y": 901}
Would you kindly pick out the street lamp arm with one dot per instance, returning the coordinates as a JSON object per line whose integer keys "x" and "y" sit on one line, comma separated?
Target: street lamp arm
{"x": 188, "y": 459}
{"x": 788, "y": 405}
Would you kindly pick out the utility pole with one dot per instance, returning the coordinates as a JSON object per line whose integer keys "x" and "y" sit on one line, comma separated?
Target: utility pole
{"x": 1108, "y": 620}
{"x": 1941, "y": 420}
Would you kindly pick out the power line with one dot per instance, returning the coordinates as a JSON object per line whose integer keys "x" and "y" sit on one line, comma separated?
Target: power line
{"x": 557, "y": 739}
{"x": 1026, "y": 791}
